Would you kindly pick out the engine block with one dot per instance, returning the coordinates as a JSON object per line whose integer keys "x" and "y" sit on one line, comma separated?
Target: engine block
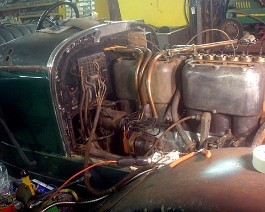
{"x": 233, "y": 88}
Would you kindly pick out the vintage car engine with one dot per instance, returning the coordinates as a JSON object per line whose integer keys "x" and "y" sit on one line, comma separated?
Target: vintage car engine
{"x": 231, "y": 89}
{"x": 105, "y": 102}
{"x": 121, "y": 98}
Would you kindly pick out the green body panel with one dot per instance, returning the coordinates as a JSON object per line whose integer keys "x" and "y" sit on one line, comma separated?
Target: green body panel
{"x": 26, "y": 101}
{"x": 27, "y": 106}
{"x": 30, "y": 108}
{"x": 56, "y": 169}
{"x": 244, "y": 7}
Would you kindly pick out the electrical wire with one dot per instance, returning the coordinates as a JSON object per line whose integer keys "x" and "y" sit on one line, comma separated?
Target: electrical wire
{"x": 73, "y": 203}
{"x": 82, "y": 104}
{"x": 131, "y": 189}
{"x": 147, "y": 172}
{"x": 75, "y": 175}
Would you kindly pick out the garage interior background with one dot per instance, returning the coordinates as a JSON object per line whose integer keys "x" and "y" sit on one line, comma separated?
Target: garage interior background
{"x": 173, "y": 20}
{"x": 210, "y": 78}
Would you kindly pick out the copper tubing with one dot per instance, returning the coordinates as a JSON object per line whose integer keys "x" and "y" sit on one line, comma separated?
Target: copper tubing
{"x": 142, "y": 76}
{"x": 202, "y": 46}
{"x": 140, "y": 53}
{"x": 136, "y": 74}
{"x": 148, "y": 83}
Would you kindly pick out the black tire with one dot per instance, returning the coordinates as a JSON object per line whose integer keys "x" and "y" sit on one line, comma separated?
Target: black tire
{"x": 233, "y": 28}
{"x": 31, "y": 27}
{"x": 15, "y": 32}
{"x": 6, "y": 35}
{"x": 22, "y": 29}
{"x": 2, "y": 40}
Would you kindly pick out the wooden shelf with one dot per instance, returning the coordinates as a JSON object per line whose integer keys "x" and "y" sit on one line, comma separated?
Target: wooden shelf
{"x": 34, "y": 15}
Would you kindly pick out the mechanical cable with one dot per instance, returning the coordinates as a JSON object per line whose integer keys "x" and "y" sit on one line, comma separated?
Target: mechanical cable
{"x": 74, "y": 203}
{"x": 147, "y": 172}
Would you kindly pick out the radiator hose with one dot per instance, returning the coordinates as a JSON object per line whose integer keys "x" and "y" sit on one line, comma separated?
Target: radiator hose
{"x": 189, "y": 145}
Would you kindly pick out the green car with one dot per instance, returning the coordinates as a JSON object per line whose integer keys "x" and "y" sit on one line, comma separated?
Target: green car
{"x": 138, "y": 128}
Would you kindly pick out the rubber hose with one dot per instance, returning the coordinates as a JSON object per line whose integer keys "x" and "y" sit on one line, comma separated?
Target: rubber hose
{"x": 190, "y": 146}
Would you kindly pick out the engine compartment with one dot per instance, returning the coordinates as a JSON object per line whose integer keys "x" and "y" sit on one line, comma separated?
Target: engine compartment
{"x": 107, "y": 96}
{"x": 118, "y": 97}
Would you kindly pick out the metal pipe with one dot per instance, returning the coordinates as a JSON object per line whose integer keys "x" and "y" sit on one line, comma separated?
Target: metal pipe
{"x": 189, "y": 145}
{"x": 191, "y": 48}
{"x": 211, "y": 20}
{"x": 199, "y": 20}
{"x": 136, "y": 74}
{"x": 148, "y": 83}
{"x": 205, "y": 127}
{"x": 130, "y": 49}
{"x": 142, "y": 76}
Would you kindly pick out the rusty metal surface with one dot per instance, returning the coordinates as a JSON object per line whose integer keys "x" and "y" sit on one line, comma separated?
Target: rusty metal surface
{"x": 225, "y": 182}
{"x": 163, "y": 79}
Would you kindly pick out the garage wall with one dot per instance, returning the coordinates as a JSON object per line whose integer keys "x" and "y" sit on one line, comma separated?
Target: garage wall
{"x": 154, "y": 12}
{"x": 102, "y": 8}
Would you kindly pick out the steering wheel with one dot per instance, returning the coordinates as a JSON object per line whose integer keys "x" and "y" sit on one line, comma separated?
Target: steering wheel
{"x": 52, "y": 21}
